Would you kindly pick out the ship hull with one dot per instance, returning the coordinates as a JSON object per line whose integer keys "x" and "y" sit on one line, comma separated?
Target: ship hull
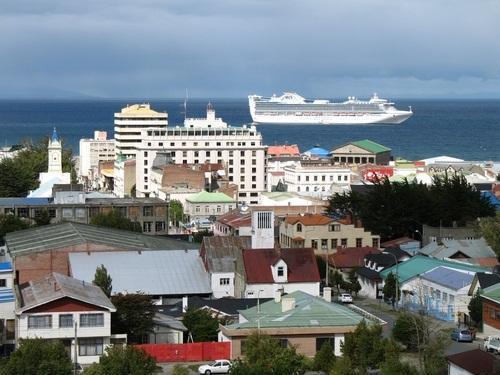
{"x": 366, "y": 119}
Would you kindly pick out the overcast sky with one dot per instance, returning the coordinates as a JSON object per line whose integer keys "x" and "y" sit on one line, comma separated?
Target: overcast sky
{"x": 231, "y": 48}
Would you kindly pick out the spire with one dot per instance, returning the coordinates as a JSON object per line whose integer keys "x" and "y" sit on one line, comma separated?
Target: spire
{"x": 55, "y": 137}
{"x": 210, "y": 107}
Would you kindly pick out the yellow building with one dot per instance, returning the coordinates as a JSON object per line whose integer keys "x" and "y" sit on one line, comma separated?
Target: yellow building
{"x": 323, "y": 233}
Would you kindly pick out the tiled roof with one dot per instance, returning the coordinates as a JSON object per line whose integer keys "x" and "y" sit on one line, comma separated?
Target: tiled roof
{"x": 235, "y": 219}
{"x": 207, "y": 197}
{"x": 301, "y": 265}
{"x": 224, "y": 253}
{"x": 308, "y": 312}
{"x": 371, "y": 146}
{"x": 476, "y": 362}
{"x": 351, "y": 257}
{"x": 309, "y": 219}
{"x": 283, "y": 150}
{"x": 420, "y": 264}
{"x": 57, "y": 286}
{"x": 56, "y": 236}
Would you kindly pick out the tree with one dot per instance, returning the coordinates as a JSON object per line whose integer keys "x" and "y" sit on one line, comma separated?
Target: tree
{"x": 123, "y": 360}
{"x": 324, "y": 360}
{"x": 409, "y": 330}
{"x": 38, "y": 356}
{"x": 176, "y": 212}
{"x": 337, "y": 280}
{"x": 392, "y": 364}
{"x": 134, "y": 316}
{"x": 201, "y": 324}
{"x": 10, "y": 223}
{"x": 433, "y": 354}
{"x": 114, "y": 219}
{"x": 476, "y": 308}
{"x": 198, "y": 236}
{"x": 489, "y": 228}
{"x": 103, "y": 280}
{"x": 43, "y": 218}
{"x": 391, "y": 289}
{"x": 353, "y": 285}
{"x": 265, "y": 356}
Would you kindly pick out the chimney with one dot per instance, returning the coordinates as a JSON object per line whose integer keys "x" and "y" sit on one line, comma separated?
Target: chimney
{"x": 287, "y": 304}
{"x": 277, "y": 296}
{"x": 327, "y": 294}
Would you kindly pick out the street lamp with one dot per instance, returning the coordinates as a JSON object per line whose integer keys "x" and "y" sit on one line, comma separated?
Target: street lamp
{"x": 167, "y": 199}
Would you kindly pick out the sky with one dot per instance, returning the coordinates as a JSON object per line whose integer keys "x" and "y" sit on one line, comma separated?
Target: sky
{"x": 232, "y": 48}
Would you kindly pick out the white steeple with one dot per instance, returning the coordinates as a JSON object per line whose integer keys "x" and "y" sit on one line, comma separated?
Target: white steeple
{"x": 55, "y": 154}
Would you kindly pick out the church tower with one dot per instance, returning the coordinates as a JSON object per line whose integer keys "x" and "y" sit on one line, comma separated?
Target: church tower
{"x": 55, "y": 154}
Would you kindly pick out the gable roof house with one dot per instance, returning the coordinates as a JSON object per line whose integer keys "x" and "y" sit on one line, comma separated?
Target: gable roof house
{"x": 473, "y": 362}
{"x": 50, "y": 308}
{"x": 284, "y": 270}
{"x": 38, "y": 251}
{"x": 297, "y": 319}
{"x": 361, "y": 152}
{"x": 491, "y": 310}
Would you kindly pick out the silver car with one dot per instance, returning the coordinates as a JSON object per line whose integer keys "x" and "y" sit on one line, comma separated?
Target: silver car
{"x": 460, "y": 334}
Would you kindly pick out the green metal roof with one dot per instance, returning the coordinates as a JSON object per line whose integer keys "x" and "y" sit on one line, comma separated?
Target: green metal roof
{"x": 371, "y": 146}
{"x": 492, "y": 293}
{"x": 420, "y": 264}
{"x": 206, "y": 197}
{"x": 309, "y": 312}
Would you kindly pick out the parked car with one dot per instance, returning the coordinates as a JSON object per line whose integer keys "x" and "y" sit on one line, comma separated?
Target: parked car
{"x": 492, "y": 344}
{"x": 460, "y": 334}
{"x": 345, "y": 298}
{"x": 220, "y": 366}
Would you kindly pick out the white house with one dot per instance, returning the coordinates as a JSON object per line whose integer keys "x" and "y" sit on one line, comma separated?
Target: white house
{"x": 7, "y": 306}
{"x": 53, "y": 308}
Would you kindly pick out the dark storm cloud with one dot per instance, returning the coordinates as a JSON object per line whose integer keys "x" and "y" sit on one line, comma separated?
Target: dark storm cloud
{"x": 154, "y": 48}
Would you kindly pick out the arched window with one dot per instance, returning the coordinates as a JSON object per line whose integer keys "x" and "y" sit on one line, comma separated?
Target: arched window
{"x": 299, "y": 227}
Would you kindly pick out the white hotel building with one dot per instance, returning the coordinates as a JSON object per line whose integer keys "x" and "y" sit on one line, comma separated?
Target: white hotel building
{"x": 206, "y": 140}
{"x": 93, "y": 151}
{"x": 316, "y": 179}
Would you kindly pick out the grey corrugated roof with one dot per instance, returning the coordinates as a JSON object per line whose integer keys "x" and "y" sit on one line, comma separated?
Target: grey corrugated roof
{"x": 174, "y": 272}
{"x": 448, "y": 277}
{"x": 471, "y": 248}
{"x": 61, "y": 235}
{"x": 56, "y": 286}
{"x": 224, "y": 253}
{"x": 24, "y": 201}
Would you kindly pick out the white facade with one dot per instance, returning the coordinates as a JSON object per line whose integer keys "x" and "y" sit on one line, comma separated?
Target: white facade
{"x": 222, "y": 284}
{"x": 93, "y": 151}
{"x": 453, "y": 369}
{"x": 128, "y": 125}
{"x": 262, "y": 229}
{"x": 316, "y": 180}
{"x": 269, "y": 290}
{"x": 93, "y": 330}
{"x": 239, "y": 148}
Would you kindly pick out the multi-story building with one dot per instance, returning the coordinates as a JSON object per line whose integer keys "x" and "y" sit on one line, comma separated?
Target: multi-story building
{"x": 124, "y": 176}
{"x": 129, "y": 123}
{"x": 207, "y": 140}
{"x": 316, "y": 178}
{"x": 205, "y": 205}
{"x": 361, "y": 152}
{"x": 93, "y": 151}
{"x": 62, "y": 308}
{"x": 323, "y": 233}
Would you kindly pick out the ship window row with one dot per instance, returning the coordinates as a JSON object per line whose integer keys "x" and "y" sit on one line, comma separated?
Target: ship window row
{"x": 318, "y": 107}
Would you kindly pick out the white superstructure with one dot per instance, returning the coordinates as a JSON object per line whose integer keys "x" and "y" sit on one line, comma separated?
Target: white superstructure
{"x": 208, "y": 140}
{"x": 291, "y": 108}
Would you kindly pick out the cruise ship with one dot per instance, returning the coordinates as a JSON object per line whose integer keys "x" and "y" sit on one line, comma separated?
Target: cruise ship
{"x": 291, "y": 108}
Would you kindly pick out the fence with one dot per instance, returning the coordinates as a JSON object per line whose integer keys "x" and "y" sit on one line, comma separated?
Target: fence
{"x": 192, "y": 352}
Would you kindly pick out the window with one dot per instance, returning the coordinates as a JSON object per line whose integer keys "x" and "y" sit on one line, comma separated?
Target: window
{"x": 334, "y": 227}
{"x": 359, "y": 242}
{"x": 147, "y": 211}
{"x": 3, "y": 283}
{"x": 92, "y": 320}
{"x": 374, "y": 242}
{"x": 299, "y": 227}
{"x": 281, "y": 271}
{"x": 324, "y": 244}
{"x": 39, "y": 321}
{"x": 80, "y": 213}
{"x": 23, "y": 212}
{"x": 343, "y": 242}
{"x": 159, "y": 226}
{"x": 91, "y": 346}
{"x": 67, "y": 213}
{"x": 334, "y": 243}
{"x": 314, "y": 244}
{"x": 224, "y": 281}
{"x": 320, "y": 341}
{"x": 147, "y": 226}
{"x": 283, "y": 343}
{"x": 65, "y": 320}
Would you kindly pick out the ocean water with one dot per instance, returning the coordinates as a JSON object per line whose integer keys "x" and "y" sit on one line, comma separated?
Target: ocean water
{"x": 467, "y": 129}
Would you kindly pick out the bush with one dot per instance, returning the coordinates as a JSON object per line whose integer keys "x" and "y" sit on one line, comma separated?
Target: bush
{"x": 124, "y": 360}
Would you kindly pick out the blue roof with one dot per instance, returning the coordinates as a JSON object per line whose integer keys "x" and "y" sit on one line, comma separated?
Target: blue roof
{"x": 448, "y": 277}
{"x": 24, "y": 201}
{"x": 318, "y": 151}
{"x": 5, "y": 266}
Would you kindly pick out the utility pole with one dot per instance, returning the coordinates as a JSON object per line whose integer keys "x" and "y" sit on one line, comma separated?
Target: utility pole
{"x": 76, "y": 350}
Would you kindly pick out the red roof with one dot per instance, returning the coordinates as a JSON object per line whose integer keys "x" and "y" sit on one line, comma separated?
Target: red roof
{"x": 283, "y": 150}
{"x": 350, "y": 257}
{"x": 476, "y": 362}
{"x": 396, "y": 242}
{"x": 236, "y": 219}
{"x": 301, "y": 264}
{"x": 309, "y": 219}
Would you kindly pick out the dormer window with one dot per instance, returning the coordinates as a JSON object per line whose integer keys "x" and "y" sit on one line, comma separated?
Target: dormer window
{"x": 299, "y": 227}
{"x": 281, "y": 271}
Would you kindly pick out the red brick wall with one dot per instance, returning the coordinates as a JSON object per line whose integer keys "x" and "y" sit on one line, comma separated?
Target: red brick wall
{"x": 65, "y": 304}
{"x": 36, "y": 266}
{"x": 491, "y": 311}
